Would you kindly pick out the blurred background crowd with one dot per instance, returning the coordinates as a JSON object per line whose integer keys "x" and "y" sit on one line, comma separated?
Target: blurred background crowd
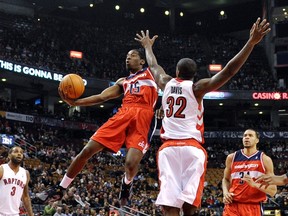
{"x": 95, "y": 191}
{"x": 57, "y": 135}
{"x": 45, "y": 44}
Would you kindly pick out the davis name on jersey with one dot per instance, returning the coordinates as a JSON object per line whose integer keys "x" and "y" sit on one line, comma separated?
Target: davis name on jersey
{"x": 183, "y": 117}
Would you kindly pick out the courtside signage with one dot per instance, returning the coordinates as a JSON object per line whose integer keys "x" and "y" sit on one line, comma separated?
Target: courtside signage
{"x": 246, "y": 95}
{"x": 76, "y": 54}
{"x": 216, "y": 95}
{"x": 6, "y": 139}
{"x": 270, "y": 95}
{"x": 32, "y": 71}
{"x": 19, "y": 117}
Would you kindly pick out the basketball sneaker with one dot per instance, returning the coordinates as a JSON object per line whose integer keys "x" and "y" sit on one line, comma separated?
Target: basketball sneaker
{"x": 125, "y": 192}
{"x": 54, "y": 193}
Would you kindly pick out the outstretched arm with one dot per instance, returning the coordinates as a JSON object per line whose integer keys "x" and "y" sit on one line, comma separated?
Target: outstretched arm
{"x": 269, "y": 169}
{"x": 267, "y": 180}
{"x": 107, "y": 94}
{"x": 257, "y": 32}
{"x": 158, "y": 72}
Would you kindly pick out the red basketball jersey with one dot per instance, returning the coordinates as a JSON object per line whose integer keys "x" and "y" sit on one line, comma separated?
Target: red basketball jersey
{"x": 251, "y": 165}
{"x": 140, "y": 88}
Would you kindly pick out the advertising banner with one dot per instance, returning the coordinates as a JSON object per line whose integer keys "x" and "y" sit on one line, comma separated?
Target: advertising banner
{"x": 19, "y": 117}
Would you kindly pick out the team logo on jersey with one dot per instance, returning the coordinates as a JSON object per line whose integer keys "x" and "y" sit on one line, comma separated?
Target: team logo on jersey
{"x": 144, "y": 146}
{"x": 141, "y": 144}
{"x": 246, "y": 166}
{"x": 14, "y": 181}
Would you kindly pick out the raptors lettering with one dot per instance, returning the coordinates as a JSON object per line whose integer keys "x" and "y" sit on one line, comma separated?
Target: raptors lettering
{"x": 14, "y": 181}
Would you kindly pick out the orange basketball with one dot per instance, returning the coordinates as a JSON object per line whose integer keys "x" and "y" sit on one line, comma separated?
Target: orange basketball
{"x": 72, "y": 85}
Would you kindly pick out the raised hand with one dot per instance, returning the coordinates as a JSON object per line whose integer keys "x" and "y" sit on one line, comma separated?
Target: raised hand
{"x": 258, "y": 31}
{"x": 145, "y": 39}
{"x": 266, "y": 180}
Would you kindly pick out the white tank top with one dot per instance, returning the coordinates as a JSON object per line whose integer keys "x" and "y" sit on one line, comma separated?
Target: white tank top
{"x": 183, "y": 117}
{"x": 11, "y": 190}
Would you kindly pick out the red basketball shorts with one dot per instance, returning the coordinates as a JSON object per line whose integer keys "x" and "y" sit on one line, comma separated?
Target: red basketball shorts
{"x": 130, "y": 125}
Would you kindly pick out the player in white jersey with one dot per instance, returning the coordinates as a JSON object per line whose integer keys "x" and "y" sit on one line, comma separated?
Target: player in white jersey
{"x": 181, "y": 158}
{"x": 14, "y": 184}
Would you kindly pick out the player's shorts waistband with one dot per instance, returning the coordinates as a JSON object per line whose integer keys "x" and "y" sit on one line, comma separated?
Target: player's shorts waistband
{"x": 181, "y": 142}
{"x": 144, "y": 106}
{"x": 249, "y": 203}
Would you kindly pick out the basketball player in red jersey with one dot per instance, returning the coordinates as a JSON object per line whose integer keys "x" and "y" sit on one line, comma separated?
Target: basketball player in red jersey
{"x": 130, "y": 125}
{"x": 181, "y": 158}
{"x": 14, "y": 184}
{"x": 242, "y": 195}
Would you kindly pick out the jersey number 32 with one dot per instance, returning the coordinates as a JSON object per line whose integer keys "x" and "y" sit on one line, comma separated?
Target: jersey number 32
{"x": 176, "y": 107}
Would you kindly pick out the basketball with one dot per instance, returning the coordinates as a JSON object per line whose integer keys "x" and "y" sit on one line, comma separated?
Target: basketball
{"x": 72, "y": 85}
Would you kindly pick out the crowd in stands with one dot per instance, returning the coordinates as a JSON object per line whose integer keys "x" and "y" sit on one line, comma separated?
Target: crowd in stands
{"x": 46, "y": 44}
{"x": 254, "y": 73}
{"x": 62, "y": 112}
{"x": 89, "y": 116}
